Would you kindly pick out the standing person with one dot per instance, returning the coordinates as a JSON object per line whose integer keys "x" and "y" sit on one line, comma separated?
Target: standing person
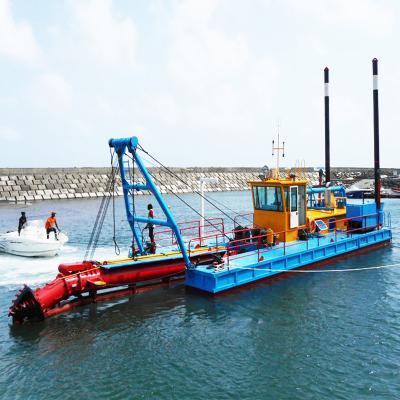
{"x": 150, "y": 226}
{"x": 51, "y": 225}
{"x": 22, "y": 222}
{"x": 152, "y": 245}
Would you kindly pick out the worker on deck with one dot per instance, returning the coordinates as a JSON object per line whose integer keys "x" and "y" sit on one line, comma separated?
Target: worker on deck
{"x": 22, "y": 222}
{"x": 51, "y": 225}
{"x": 150, "y": 226}
{"x": 152, "y": 245}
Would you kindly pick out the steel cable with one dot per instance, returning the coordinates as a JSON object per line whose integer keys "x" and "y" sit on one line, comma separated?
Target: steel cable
{"x": 105, "y": 201}
{"x": 185, "y": 183}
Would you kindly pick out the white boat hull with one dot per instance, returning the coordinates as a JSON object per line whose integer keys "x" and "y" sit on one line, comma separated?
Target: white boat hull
{"x": 32, "y": 242}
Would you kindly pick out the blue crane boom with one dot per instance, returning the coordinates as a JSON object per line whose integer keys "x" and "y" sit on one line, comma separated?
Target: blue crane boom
{"x": 121, "y": 146}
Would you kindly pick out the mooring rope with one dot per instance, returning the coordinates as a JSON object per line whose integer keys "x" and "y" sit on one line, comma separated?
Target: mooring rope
{"x": 307, "y": 271}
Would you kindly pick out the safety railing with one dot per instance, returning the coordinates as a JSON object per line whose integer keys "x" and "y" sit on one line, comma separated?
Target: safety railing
{"x": 251, "y": 243}
{"x": 317, "y": 201}
{"x": 248, "y": 217}
{"x": 214, "y": 240}
{"x": 188, "y": 230}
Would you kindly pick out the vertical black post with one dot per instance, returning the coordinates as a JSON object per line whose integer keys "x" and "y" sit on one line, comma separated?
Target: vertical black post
{"x": 376, "y": 137}
{"x": 327, "y": 142}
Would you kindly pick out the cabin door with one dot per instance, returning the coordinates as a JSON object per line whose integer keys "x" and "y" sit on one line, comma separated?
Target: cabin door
{"x": 294, "y": 213}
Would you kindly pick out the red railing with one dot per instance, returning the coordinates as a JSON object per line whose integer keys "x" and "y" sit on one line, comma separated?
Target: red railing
{"x": 205, "y": 239}
{"x": 189, "y": 229}
{"x": 261, "y": 240}
{"x": 245, "y": 217}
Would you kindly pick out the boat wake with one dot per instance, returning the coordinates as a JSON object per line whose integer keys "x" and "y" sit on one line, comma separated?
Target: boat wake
{"x": 15, "y": 270}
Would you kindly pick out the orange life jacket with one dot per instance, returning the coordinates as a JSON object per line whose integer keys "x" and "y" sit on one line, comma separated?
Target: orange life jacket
{"x": 51, "y": 222}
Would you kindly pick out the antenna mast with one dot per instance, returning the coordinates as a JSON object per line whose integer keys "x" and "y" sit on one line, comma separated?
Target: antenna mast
{"x": 278, "y": 150}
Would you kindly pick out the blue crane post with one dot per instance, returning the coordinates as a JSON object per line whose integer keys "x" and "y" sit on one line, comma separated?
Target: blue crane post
{"x": 130, "y": 144}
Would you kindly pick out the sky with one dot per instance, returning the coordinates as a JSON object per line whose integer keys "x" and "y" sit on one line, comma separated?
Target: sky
{"x": 199, "y": 82}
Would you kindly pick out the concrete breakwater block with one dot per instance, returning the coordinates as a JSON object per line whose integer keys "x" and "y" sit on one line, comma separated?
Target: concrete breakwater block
{"x": 28, "y": 184}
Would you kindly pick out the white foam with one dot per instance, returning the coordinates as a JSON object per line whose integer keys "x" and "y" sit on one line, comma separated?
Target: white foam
{"x": 16, "y": 270}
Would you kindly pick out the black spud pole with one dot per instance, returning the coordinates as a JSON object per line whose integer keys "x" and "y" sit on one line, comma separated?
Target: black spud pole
{"x": 376, "y": 136}
{"x": 327, "y": 139}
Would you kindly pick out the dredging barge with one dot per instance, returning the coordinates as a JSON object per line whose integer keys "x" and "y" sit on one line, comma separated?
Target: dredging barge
{"x": 293, "y": 226}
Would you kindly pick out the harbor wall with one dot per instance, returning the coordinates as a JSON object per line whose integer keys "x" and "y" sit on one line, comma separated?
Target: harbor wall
{"x": 29, "y": 184}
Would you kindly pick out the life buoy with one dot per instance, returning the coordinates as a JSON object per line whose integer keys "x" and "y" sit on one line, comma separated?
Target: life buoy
{"x": 312, "y": 226}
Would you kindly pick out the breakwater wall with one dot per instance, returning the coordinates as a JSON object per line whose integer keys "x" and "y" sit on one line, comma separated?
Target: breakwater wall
{"x": 29, "y": 184}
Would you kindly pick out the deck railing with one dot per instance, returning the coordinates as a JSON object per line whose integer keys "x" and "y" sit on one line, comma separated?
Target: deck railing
{"x": 245, "y": 246}
{"x": 248, "y": 217}
{"x": 188, "y": 230}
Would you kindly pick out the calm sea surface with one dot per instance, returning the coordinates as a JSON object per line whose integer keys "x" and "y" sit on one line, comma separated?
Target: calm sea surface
{"x": 307, "y": 336}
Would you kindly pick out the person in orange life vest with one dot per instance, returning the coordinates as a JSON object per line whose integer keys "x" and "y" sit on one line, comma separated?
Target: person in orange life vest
{"x": 150, "y": 226}
{"x": 51, "y": 225}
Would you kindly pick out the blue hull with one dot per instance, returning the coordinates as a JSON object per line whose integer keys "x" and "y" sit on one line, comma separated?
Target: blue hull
{"x": 246, "y": 268}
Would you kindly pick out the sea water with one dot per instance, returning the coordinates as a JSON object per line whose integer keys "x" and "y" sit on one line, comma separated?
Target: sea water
{"x": 306, "y": 336}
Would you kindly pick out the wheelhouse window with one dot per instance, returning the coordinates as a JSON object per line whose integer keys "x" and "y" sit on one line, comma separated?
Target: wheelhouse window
{"x": 267, "y": 198}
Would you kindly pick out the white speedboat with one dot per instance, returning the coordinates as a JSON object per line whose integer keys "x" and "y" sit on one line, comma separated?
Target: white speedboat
{"x": 32, "y": 242}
